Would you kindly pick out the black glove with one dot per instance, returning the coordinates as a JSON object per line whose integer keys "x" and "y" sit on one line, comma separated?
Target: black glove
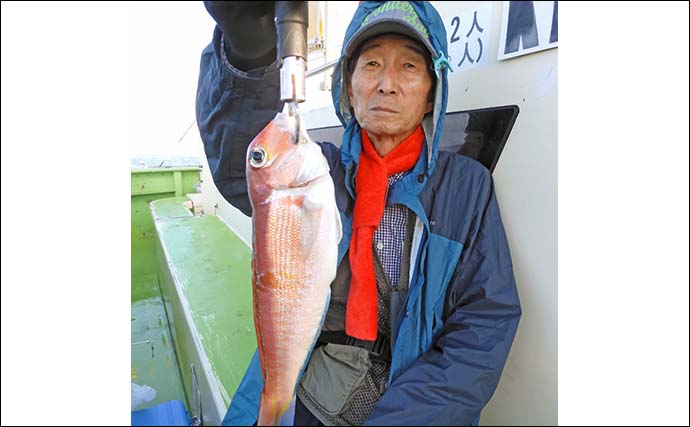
{"x": 249, "y": 31}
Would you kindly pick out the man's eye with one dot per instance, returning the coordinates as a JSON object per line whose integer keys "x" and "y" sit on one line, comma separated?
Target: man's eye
{"x": 372, "y": 63}
{"x": 410, "y": 65}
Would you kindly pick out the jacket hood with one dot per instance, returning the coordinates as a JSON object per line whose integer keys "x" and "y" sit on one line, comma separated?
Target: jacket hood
{"x": 433, "y": 122}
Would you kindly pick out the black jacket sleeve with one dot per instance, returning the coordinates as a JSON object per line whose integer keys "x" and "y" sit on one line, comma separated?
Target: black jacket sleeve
{"x": 249, "y": 31}
{"x": 232, "y": 107}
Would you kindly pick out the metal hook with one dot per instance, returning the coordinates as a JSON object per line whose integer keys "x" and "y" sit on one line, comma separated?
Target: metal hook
{"x": 293, "y": 111}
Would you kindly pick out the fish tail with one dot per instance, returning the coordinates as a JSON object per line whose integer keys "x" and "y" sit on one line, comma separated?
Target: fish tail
{"x": 272, "y": 409}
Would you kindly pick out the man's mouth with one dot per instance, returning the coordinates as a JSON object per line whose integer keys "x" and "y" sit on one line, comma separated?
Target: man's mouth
{"x": 384, "y": 109}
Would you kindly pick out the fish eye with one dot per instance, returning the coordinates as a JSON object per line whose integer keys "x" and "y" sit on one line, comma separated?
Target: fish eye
{"x": 257, "y": 157}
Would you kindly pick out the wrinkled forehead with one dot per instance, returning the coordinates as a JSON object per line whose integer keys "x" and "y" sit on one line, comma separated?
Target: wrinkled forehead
{"x": 394, "y": 40}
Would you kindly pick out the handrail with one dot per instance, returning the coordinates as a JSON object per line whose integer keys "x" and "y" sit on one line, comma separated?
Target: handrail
{"x": 321, "y": 68}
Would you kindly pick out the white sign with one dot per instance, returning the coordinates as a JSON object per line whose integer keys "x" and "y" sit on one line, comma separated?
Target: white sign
{"x": 527, "y": 27}
{"x": 468, "y": 36}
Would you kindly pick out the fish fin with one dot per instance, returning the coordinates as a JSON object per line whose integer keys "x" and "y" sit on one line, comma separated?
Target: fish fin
{"x": 288, "y": 417}
{"x": 299, "y": 200}
{"x": 274, "y": 412}
{"x": 312, "y": 211}
{"x": 268, "y": 412}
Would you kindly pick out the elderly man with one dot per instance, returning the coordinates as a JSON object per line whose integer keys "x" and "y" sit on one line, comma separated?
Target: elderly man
{"x": 424, "y": 307}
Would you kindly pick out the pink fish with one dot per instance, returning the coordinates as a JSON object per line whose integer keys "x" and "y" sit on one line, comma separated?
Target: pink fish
{"x": 296, "y": 231}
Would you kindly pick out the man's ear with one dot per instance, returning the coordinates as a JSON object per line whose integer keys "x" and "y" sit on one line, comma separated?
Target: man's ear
{"x": 430, "y": 99}
{"x": 429, "y": 107}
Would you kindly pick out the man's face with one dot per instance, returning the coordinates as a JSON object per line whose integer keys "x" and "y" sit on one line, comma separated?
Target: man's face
{"x": 390, "y": 86}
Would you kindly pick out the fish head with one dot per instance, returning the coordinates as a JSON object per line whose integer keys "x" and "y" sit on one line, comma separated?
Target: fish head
{"x": 277, "y": 159}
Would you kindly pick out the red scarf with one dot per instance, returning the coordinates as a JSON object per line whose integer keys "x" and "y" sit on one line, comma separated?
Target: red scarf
{"x": 361, "y": 320}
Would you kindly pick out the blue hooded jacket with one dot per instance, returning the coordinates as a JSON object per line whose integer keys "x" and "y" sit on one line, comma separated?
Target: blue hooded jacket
{"x": 456, "y": 329}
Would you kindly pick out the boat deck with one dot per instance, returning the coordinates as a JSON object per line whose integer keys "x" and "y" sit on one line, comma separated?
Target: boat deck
{"x": 153, "y": 357}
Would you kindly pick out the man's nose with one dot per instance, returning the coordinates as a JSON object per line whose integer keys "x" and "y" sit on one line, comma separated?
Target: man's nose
{"x": 388, "y": 82}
